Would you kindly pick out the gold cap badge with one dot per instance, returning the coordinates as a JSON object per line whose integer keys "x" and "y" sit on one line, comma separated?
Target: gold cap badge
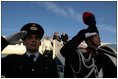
{"x": 33, "y": 27}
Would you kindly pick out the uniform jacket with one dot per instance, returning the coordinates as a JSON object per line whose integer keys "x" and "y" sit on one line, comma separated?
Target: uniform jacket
{"x": 80, "y": 64}
{"x": 56, "y": 38}
{"x": 19, "y": 66}
{"x": 64, "y": 38}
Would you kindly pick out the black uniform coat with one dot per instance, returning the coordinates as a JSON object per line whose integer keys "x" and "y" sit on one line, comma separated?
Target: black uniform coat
{"x": 19, "y": 66}
{"x": 72, "y": 60}
{"x": 64, "y": 38}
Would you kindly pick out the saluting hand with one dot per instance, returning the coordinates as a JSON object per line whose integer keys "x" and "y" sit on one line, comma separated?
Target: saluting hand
{"x": 13, "y": 39}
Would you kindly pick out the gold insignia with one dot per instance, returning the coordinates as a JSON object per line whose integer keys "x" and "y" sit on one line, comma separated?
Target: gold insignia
{"x": 33, "y": 25}
{"x": 33, "y": 28}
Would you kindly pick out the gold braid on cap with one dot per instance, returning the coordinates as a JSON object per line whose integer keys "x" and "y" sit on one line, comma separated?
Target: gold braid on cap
{"x": 33, "y": 27}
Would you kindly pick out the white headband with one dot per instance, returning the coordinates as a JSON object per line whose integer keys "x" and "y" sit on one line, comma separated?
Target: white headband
{"x": 90, "y": 34}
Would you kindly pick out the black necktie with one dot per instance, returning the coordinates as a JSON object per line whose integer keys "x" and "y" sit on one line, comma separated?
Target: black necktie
{"x": 31, "y": 58}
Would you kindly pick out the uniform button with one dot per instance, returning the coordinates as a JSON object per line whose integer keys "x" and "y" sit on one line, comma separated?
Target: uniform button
{"x": 46, "y": 68}
{"x": 20, "y": 67}
{"x": 33, "y": 69}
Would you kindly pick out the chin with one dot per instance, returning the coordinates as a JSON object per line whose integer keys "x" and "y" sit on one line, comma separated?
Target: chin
{"x": 99, "y": 44}
{"x": 33, "y": 50}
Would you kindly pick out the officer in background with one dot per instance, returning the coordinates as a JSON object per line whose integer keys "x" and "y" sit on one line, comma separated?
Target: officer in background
{"x": 87, "y": 62}
{"x": 56, "y": 37}
{"x": 32, "y": 64}
{"x": 64, "y": 37}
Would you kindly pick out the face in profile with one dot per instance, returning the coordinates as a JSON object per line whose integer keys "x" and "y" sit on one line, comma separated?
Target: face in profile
{"x": 93, "y": 41}
{"x": 96, "y": 40}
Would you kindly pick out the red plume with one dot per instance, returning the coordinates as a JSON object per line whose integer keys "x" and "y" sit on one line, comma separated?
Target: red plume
{"x": 88, "y": 18}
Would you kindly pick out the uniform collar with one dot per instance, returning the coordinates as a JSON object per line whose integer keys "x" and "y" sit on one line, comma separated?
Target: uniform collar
{"x": 91, "y": 50}
{"x": 36, "y": 54}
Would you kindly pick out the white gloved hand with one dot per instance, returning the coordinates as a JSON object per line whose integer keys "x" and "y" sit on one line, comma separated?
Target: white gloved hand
{"x": 13, "y": 39}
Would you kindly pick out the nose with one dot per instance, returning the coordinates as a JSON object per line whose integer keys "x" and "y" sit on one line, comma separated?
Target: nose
{"x": 98, "y": 37}
{"x": 33, "y": 39}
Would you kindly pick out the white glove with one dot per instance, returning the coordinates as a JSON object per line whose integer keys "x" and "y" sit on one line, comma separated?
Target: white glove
{"x": 13, "y": 39}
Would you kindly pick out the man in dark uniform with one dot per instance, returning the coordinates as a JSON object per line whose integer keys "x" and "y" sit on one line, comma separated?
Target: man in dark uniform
{"x": 87, "y": 62}
{"x": 56, "y": 37}
{"x": 32, "y": 64}
{"x": 64, "y": 37}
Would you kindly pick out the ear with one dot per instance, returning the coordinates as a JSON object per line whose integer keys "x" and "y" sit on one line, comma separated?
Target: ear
{"x": 88, "y": 41}
{"x": 24, "y": 43}
{"x": 40, "y": 43}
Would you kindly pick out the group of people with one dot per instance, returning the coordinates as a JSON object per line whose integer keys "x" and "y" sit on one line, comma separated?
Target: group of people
{"x": 79, "y": 62}
{"x": 64, "y": 37}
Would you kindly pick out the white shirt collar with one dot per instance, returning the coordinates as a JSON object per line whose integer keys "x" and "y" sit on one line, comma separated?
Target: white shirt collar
{"x": 36, "y": 55}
